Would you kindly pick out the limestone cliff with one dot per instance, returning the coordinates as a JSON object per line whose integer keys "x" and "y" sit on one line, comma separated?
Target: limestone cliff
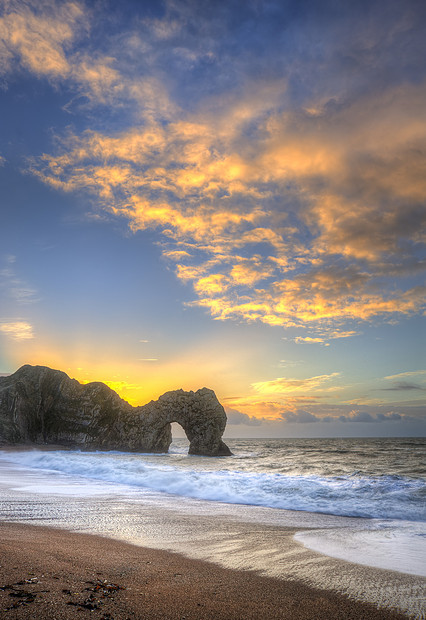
{"x": 39, "y": 405}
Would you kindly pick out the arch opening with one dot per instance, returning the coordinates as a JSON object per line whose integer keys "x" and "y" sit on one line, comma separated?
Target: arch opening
{"x": 180, "y": 441}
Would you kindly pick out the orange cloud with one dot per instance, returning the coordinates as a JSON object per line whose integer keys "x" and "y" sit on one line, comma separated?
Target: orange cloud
{"x": 211, "y": 285}
{"x": 308, "y": 339}
{"x": 258, "y": 224}
{"x": 39, "y": 39}
{"x": 283, "y": 385}
{"x": 248, "y": 272}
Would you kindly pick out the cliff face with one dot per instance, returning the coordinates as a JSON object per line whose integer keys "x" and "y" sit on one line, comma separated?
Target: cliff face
{"x": 39, "y": 405}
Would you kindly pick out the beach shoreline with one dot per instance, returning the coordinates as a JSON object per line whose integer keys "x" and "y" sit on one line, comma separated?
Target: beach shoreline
{"x": 51, "y": 573}
{"x": 256, "y": 540}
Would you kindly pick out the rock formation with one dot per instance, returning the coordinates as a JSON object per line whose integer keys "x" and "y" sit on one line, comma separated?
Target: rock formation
{"x": 39, "y": 405}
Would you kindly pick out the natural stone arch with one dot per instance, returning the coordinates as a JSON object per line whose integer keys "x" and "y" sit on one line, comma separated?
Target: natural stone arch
{"x": 39, "y": 405}
{"x": 200, "y": 415}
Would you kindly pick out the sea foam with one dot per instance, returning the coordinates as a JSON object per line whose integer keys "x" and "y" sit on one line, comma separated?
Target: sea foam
{"x": 379, "y": 497}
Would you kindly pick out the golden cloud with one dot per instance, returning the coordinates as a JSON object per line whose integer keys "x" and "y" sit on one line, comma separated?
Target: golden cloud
{"x": 309, "y": 340}
{"x": 211, "y": 285}
{"x": 283, "y": 385}
{"x": 39, "y": 40}
{"x": 294, "y": 217}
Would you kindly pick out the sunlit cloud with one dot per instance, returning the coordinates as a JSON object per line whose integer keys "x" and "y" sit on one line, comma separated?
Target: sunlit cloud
{"x": 41, "y": 37}
{"x": 288, "y": 408}
{"x": 400, "y": 383}
{"x": 37, "y": 39}
{"x": 413, "y": 373}
{"x": 257, "y": 406}
{"x": 326, "y": 335}
{"x": 292, "y": 211}
{"x": 17, "y": 330}
{"x": 309, "y": 340}
{"x": 237, "y": 417}
{"x": 308, "y": 406}
{"x": 159, "y": 182}
{"x": 283, "y": 385}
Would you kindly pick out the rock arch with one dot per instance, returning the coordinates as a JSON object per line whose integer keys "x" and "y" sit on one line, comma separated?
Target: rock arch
{"x": 200, "y": 415}
{"x": 39, "y": 405}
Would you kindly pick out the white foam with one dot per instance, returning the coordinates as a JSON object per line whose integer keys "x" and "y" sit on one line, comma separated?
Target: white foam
{"x": 399, "y": 546}
{"x": 382, "y": 497}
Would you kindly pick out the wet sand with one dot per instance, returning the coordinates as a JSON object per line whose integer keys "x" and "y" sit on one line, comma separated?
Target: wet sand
{"x": 46, "y": 573}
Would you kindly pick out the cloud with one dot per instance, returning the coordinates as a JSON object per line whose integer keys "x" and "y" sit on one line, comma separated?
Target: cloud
{"x": 17, "y": 330}
{"x": 299, "y": 417}
{"x": 38, "y": 39}
{"x": 305, "y": 417}
{"x": 404, "y": 386}
{"x": 42, "y": 37}
{"x": 281, "y": 204}
{"x": 413, "y": 373}
{"x": 298, "y": 407}
{"x": 283, "y": 385}
{"x": 400, "y": 383}
{"x": 13, "y": 286}
{"x": 357, "y": 416}
{"x": 391, "y": 417}
{"x": 290, "y": 362}
{"x": 364, "y": 416}
{"x": 171, "y": 181}
{"x": 325, "y": 336}
{"x": 237, "y": 417}
{"x": 310, "y": 340}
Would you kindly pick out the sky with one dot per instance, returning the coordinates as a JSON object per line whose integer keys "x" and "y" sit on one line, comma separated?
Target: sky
{"x": 227, "y": 194}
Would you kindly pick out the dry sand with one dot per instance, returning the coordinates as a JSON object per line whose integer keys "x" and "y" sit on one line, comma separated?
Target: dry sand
{"x": 52, "y": 574}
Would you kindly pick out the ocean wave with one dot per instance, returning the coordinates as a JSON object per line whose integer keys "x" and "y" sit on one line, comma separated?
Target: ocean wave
{"x": 382, "y": 497}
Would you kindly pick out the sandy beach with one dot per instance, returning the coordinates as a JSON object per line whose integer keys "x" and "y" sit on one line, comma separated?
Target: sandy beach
{"x": 70, "y": 543}
{"x": 50, "y": 573}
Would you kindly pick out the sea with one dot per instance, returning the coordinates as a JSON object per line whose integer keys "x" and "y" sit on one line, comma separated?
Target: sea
{"x": 342, "y": 514}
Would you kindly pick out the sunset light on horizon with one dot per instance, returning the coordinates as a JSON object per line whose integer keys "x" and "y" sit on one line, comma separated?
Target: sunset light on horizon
{"x": 220, "y": 194}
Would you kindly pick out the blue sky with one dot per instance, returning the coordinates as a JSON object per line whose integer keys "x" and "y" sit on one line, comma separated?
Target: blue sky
{"x": 229, "y": 194}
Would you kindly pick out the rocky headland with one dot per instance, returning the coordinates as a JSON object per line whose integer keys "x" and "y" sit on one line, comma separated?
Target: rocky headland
{"x": 39, "y": 405}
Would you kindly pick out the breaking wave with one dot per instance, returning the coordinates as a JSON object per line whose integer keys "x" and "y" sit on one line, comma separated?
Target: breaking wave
{"x": 354, "y": 495}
